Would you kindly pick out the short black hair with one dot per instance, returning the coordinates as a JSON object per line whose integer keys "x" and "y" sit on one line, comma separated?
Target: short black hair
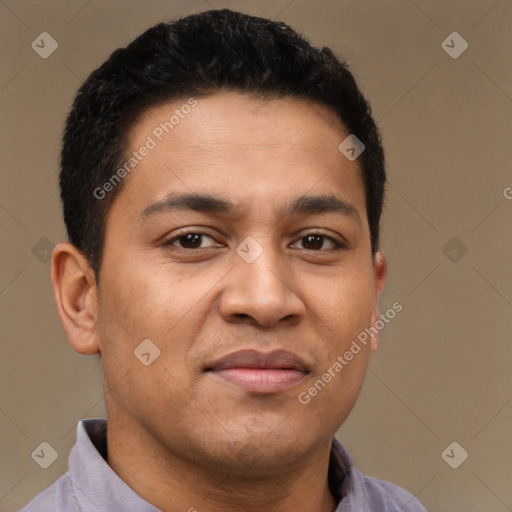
{"x": 196, "y": 56}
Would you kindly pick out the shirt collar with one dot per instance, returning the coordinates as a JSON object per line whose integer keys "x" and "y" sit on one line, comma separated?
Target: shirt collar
{"x": 93, "y": 479}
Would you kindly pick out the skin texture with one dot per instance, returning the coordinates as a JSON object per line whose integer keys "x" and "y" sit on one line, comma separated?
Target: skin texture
{"x": 179, "y": 436}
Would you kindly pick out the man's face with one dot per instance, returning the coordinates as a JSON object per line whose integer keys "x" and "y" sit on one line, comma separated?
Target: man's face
{"x": 182, "y": 274}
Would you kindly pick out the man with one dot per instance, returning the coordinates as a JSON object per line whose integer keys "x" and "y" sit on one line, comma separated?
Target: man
{"x": 222, "y": 183}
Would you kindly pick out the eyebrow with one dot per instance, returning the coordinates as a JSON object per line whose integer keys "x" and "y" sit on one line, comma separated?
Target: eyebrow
{"x": 206, "y": 203}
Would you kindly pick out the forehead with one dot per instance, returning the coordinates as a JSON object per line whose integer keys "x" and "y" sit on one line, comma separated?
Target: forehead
{"x": 257, "y": 151}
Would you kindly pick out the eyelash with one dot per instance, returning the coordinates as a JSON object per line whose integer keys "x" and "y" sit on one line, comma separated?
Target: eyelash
{"x": 337, "y": 244}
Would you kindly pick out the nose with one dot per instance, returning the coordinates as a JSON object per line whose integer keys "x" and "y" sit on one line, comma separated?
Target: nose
{"x": 262, "y": 293}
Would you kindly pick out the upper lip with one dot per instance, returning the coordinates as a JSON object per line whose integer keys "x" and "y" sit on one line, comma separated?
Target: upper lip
{"x": 277, "y": 359}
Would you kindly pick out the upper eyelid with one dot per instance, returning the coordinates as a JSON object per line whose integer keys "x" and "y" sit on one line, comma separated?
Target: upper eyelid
{"x": 337, "y": 243}
{"x": 318, "y": 231}
{"x": 176, "y": 237}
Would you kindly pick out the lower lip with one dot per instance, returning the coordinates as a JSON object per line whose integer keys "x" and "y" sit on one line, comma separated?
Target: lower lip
{"x": 260, "y": 380}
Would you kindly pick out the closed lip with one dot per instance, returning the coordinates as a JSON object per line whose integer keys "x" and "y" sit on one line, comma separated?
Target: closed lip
{"x": 255, "y": 359}
{"x": 260, "y": 372}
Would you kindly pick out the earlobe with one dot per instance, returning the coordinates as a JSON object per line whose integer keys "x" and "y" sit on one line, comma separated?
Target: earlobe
{"x": 380, "y": 269}
{"x": 75, "y": 292}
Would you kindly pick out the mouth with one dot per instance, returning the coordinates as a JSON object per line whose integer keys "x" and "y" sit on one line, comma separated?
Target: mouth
{"x": 260, "y": 372}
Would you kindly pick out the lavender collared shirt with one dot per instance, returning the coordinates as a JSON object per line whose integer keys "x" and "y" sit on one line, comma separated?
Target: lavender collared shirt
{"x": 90, "y": 485}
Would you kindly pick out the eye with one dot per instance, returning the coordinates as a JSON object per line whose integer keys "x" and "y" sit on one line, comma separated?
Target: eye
{"x": 317, "y": 242}
{"x": 191, "y": 241}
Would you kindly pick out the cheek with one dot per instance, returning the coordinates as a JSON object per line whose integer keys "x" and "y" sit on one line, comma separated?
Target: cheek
{"x": 156, "y": 302}
{"x": 137, "y": 305}
{"x": 343, "y": 313}
{"x": 143, "y": 302}
{"x": 345, "y": 303}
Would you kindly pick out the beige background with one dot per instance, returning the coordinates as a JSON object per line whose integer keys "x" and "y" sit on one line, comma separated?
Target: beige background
{"x": 443, "y": 371}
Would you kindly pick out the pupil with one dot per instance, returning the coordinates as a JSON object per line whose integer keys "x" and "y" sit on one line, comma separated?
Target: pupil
{"x": 191, "y": 240}
{"x": 314, "y": 241}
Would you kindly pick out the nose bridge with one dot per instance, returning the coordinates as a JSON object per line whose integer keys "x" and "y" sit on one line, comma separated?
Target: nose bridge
{"x": 261, "y": 268}
{"x": 259, "y": 285}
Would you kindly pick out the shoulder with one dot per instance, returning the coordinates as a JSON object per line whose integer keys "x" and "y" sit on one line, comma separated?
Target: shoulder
{"x": 43, "y": 502}
{"x": 386, "y": 496}
{"x": 361, "y": 492}
{"x": 59, "y": 497}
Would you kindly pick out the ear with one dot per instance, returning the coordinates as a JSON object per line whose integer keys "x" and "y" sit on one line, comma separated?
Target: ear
{"x": 74, "y": 287}
{"x": 380, "y": 270}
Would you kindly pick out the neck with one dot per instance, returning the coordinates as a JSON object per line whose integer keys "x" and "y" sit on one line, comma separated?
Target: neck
{"x": 172, "y": 483}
